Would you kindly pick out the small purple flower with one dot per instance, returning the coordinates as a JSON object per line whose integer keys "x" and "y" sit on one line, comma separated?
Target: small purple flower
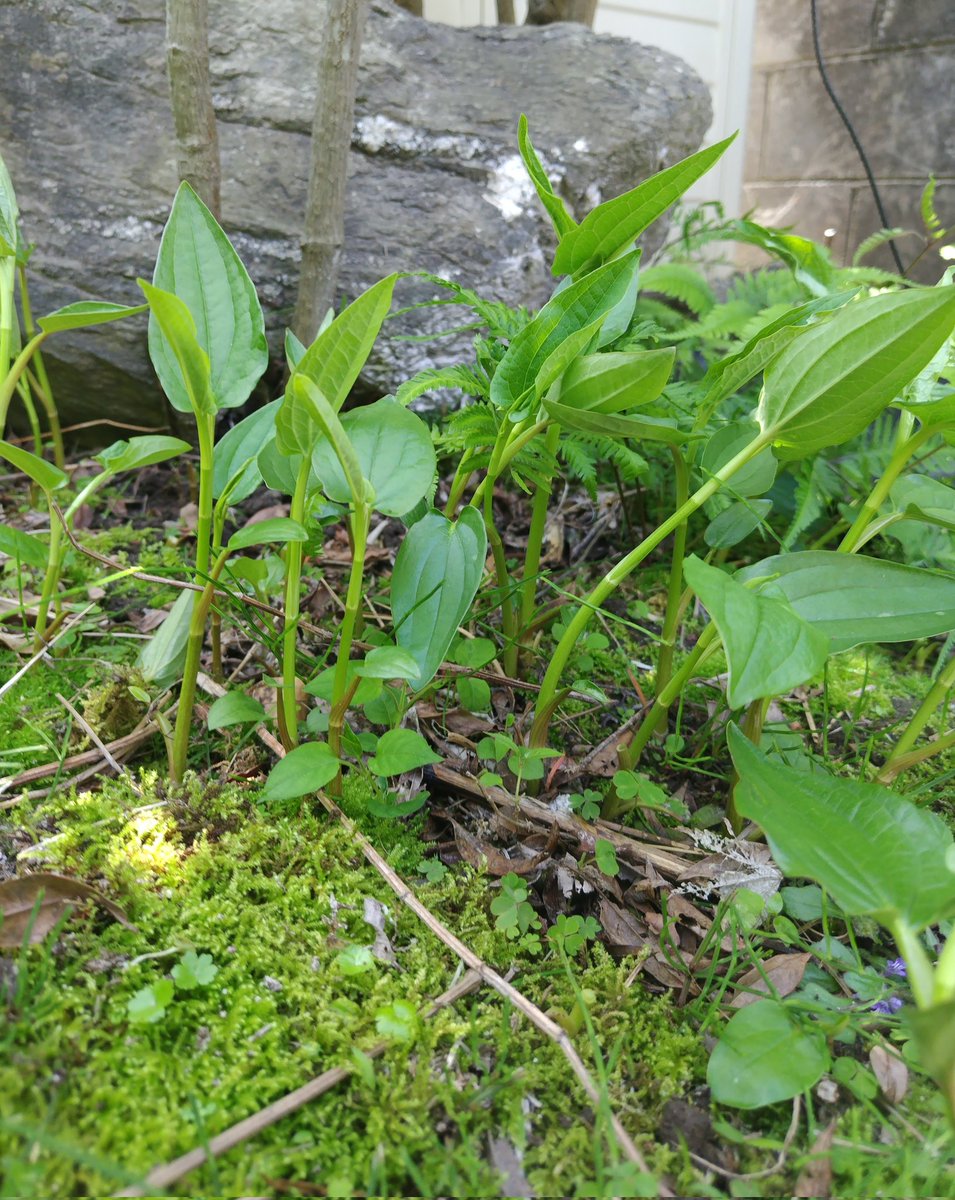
{"x": 896, "y": 967}
{"x": 888, "y": 1007}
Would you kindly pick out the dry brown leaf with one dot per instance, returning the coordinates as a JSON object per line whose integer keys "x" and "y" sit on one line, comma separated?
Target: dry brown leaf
{"x": 815, "y": 1179}
{"x": 51, "y": 895}
{"x": 785, "y": 972}
{"x": 267, "y": 514}
{"x": 482, "y": 855}
{"x": 624, "y": 933}
{"x": 891, "y": 1072}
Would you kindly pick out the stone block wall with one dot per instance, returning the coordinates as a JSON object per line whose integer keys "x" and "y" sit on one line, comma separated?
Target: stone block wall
{"x": 892, "y": 64}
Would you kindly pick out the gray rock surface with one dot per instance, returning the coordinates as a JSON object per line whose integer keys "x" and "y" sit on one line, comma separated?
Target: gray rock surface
{"x": 436, "y": 182}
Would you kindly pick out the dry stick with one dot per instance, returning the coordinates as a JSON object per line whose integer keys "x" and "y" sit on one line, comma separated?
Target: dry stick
{"x": 118, "y": 748}
{"x": 187, "y": 63}
{"x": 489, "y": 976}
{"x": 162, "y": 1177}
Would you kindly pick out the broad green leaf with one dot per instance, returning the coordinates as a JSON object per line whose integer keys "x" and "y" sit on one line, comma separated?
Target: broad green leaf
{"x": 323, "y": 685}
{"x": 855, "y": 600}
{"x": 176, "y": 339}
{"x": 769, "y": 648}
{"x": 294, "y": 350}
{"x": 397, "y": 1020}
{"x": 45, "y": 475}
{"x": 752, "y": 479}
{"x": 87, "y": 313}
{"x": 161, "y": 658}
{"x": 729, "y": 527}
{"x": 875, "y": 852}
{"x": 9, "y": 213}
{"x": 765, "y": 1054}
{"x": 562, "y": 356}
{"x": 831, "y": 382}
{"x": 394, "y": 451}
{"x": 401, "y": 750}
{"x": 280, "y": 471}
{"x": 649, "y": 429}
{"x": 922, "y": 498}
{"x": 562, "y": 221}
{"x": 306, "y": 421}
{"x": 810, "y": 263}
{"x": 934, "y": 1030}
{"x": 278, "y": 530}
{"x": 302, "y": 772}
{"x": 335, "y": 358}
{"x": 243, "y": 441}
{"x": 140, "y": 452}
{"x": 23, "y": 546}
{"x": 618, "y": 222}
{"x": 571, "y": 309}
{"x": 234, "y": 708}
{"x": 616, "y": 380}
{"x": 198, "y": 264}
{"x": 437, "y": 573}
{"x": 149, "y": 1004}
{"x": 387, "y": 662}
{"x": 729, "y": 374}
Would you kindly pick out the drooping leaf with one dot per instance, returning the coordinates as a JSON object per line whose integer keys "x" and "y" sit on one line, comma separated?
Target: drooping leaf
{"x": 279, "y": 530}
{"x": 922, "y": 498}
{"x": 45, "y": 475}
{"x": 49, "y": 897}
{"x": 729, "y": 527}
{"x": 752, "y": 479}
{"x": 769, "y": 647}
{"x": 401, "y": 750}
{"x": 612, "y": 425}
{"x": 562, "y": 221}
{"x": 23, "y": 546}
{"x": 571, "y": 309}
{"x": 616, "y": 380}
{"x": 242, "y": 442}
{"x": 837, "y": 377}
{"x": 618, "y": 222}
{"x": 437, "y": 573}
{"x": 303, "y": 771}
{"x": 198, "y": 264}
{"x": 334, "y": 360}
{"x": 765, "y": 1054}
{"x": 234, "y": 708}
{"x": 86, "y": 313}
{"x": 177, "y": 341}
{"x": 863, "y": 843}
{"x": 855, "y": 600}
{"x": 9, "y": 213}
{"x": 161, "y": 658}
{"x": 140, "y": 452}
{"x": 394, "y": 451}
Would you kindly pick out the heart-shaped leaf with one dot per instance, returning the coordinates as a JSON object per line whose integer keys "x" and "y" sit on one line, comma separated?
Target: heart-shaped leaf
{"x": 198, "y": 264}
{"x": 437, "y": 573}
{"x": 401, "y": 750}
{"x": 769, "y": 648}
{"x": 863, "y": 843}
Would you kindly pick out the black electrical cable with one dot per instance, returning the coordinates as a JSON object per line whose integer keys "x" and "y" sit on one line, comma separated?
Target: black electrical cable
{"x": 852, "y": 133}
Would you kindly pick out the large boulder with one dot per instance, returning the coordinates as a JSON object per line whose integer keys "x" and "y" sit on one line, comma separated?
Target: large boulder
{"x": 435, "y": 184}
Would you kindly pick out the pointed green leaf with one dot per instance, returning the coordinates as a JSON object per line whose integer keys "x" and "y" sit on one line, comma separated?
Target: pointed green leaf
{"x": 9, "y": 213}
{"x": 87, "y": 313}
{"x": 650, "y": 429}
{"x": 401, "y": 750}
{"x": 562, "y": 221}
{"x": 437, "y": 573}
{"x": 243, "y": 442}
{"x": 23, "y": 547}
{"x": 45, "y": 475}
{"x": 866, "y": 845}
{"x": 836, "y": 378}
{"x": 616, "y": 380}
{"x": 769, "y": 648}
{"x": 387, "y": 662}
{"x": 922, "y": 498}
{"x": 277, "y": 530}
{"x": 737, "y": 521}
{"x": 140, "y": 452}
{"x": 161, "y": 658}
{"x": 306, "y": 420}
{"x": 618, "y": 222}
{"x": 765, "y": 1054}
{"x": 336, "y": 357}
{"x": 302, "y": 772}
{"x": 394, "y": 452}
{"x": 234, "y": 708}
{"x": 571, "y": 309}
{"x": 855, "y": 600}
{"x": 752, "y": 479}
{"x": 176, "y": 339}
{"x": 198, "y": 264}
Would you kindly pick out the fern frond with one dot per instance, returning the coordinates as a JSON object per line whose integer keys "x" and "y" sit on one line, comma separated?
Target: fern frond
{"x": 930, "y": 218}
{"x": 877, "y": 239}
{"x": 463, "y": 378}
{"x": 679, "y": 282}
{"x": 869, "y": 276}
{"x": 580, "y": 458}
{"x": 765, "y": 288}
{"x": 501, "y": 320}
{"x": 471, "y": 427}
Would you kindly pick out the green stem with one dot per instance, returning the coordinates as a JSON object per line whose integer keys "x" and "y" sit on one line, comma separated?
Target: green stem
{"x": 515, "y": 443}
{"x": 7, "y": 317}
{"x": 920, "y": 974}
{"x": 630, "y": 755}
{"x": 190, "y": 671}
{"x": 9, "y": 385}
{"x": 508, "y": 621}
{"x": 26, "y": 399}
{"x": 923, "y": 714}
{"x": 361, "y": 522}
{"x": 52, "y": 575}
{"x": 206, "y": 429}
{"x": 905, "y": 761}
{"x": 293, "y": 594}
{"x": 878, "y": 494}
{"x": 671, "y": 619}
{"x": 535, "y": 537}
{"x": 42, "y": 380}
{"x": 617, "y": 574}
{"x": 462, "y": 477}
{"x": 944, "y": 986}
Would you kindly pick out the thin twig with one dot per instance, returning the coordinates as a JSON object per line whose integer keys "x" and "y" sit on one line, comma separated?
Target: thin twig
{"x": 766, "y": 1171}
{"x": 539, "y": 1019}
